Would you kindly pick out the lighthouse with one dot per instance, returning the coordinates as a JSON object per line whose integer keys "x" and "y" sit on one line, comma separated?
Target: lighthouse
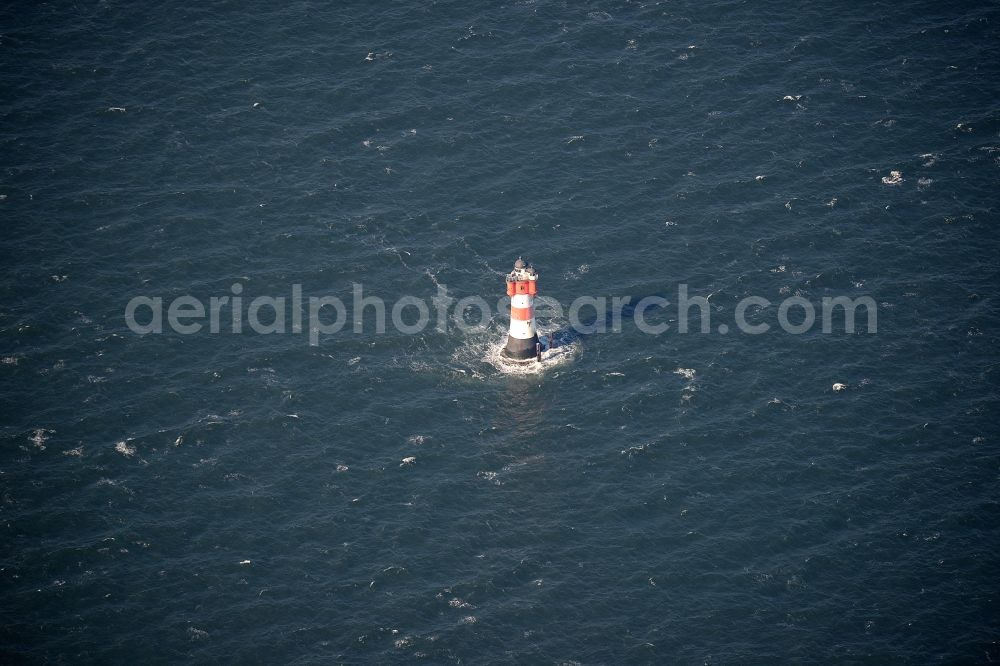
{"x": 522, "y": 340}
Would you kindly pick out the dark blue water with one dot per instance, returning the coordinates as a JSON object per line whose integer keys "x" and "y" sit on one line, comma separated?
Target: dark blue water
{"x": 673, "y": 498}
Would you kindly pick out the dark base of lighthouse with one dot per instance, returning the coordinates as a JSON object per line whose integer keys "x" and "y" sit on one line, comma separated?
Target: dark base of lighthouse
{"x": 520, "y": 350}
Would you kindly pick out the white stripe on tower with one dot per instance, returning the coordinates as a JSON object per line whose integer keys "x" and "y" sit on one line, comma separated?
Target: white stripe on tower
{"x": 522, "y": 305}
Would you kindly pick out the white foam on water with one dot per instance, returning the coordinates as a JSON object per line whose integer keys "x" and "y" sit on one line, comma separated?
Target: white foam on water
{"x": 635, "y": 450}
{"x": 125, "y": 449}
{"x": 524, "y": 462}
{"x": 894, "y": 178}
{"x": 39, "y": 436}
{"x": 688, "y": 391}
{"x": 115, "y": 484}
{"x": 550, "y": 359}
{"x": 497, "y": 477}
{"x": 482, "y": 352}
{"x": 492, "y": 477}
{"x": 686, "y": 373}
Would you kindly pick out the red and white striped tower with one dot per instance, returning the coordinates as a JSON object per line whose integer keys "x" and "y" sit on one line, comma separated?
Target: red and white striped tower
{"x": 522, "y": 341}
